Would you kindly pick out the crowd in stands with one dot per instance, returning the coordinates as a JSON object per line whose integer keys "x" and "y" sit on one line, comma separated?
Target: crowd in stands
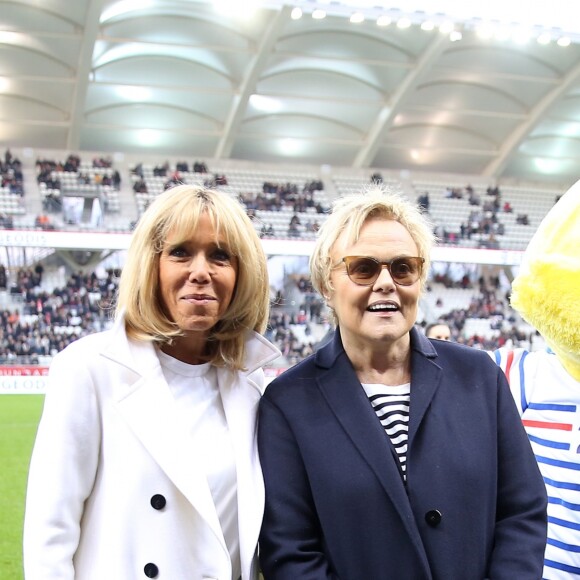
{"x": 491, "y": 306}
{"x": 46, "y": 167}
{"x": 275, "y": 196}
{"x": 484, "y": 223}
{"x": 46, "y": 321}
{"x": 11, "y": 174}
{"x": 484, "y": 220}
{"x": 176, "y": 176}
{"x": 11, "y": 184}
{"x": 49, "y": 174}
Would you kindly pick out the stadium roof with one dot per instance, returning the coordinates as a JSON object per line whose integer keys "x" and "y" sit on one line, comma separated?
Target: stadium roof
{"x": 452, "y": 89}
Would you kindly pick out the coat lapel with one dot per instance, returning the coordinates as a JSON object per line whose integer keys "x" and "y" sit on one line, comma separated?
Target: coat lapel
{"x": 149, "y": 409}
{"x": 240, "y": 405}
{"x": 240, "y": 398}
{"x": 425, "y": 380}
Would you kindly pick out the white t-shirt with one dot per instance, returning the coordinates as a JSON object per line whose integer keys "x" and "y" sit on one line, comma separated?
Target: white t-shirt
{"x": 196, "y": 393}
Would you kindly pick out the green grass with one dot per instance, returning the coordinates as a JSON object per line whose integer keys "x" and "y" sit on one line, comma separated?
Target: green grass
{"x": 19, "y": 415}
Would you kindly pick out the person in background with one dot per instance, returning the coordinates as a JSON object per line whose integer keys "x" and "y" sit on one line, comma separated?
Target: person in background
{"x": 438, "y": 330}
{"x": 387, "y": 455}
{"x": 546, "y": 383}
{"x": 145, "y": 463}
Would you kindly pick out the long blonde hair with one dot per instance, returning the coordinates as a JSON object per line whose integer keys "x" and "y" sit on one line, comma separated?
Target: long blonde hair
{"x": 178, "y": 210}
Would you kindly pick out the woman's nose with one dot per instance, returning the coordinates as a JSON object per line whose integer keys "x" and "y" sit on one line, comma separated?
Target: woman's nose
{"x": 385, "y": 281}
{"x": 199, "y": 269}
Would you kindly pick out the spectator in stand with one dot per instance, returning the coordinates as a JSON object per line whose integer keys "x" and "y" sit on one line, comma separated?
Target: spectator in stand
{"x": 523, "y": 219}
{"x": 346, "y": 500}
{"x": 424, "y": 202}
{"x": 161, "y": 170}
{"x": 116, "y": 180}
{"x": 293, "y": 230}
{"x": 474, "y": 198}
{"x": 174, "y": 180}
{"x": 135, "y": 473}
{"x": 6, "y": 221}
{"x": 11, "y": 175}
{"x": 267, "y": 231}
{"x": 454, "y": 193}
{"x": 43, "y": 221}
{"x": 138, "y": 170}
{"x": 438, "y": 330}
{"x": 140, "y": 186}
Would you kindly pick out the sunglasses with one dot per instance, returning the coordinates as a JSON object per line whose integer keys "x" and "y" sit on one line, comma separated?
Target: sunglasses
{"x": 365, "y": 271}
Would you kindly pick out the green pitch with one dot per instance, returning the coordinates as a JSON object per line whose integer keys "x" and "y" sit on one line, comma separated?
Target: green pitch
{"x": 19, "y": 415}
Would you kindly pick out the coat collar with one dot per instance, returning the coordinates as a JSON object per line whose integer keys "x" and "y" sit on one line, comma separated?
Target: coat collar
{"x": 425, "y": 373}
{"x": 326, "y": 356}
{"x": 339, "y": 384}
{"x": 136, "y": 356}
{"x": 146, "y": 404}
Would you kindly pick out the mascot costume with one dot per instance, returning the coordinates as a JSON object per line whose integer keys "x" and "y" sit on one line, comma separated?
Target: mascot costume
{"x": 546, "y": 384}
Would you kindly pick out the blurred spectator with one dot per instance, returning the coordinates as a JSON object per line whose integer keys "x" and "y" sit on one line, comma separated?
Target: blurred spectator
{"x": 423, "y": 201}
{"x": 439, "y": 330}
{"x": 522, "y": 218}
{"x": 43, "y": 221}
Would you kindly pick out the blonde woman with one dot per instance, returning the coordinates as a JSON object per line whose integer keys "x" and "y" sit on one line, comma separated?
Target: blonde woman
{"x": 145, "y": 462}
{"x": 387, "y": 455}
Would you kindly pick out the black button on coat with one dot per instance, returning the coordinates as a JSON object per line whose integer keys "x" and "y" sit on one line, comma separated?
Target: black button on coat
{"x": 151, "y": 570}
{"x": 433, "y": 517}
{"x": 158, "y": 501}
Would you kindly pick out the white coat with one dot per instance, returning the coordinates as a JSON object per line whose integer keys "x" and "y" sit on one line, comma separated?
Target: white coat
{"x": 115, "y": 488}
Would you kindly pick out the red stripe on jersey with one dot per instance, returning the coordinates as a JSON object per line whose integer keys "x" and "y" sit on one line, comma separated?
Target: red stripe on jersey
{"x": 547, "y": 425}
{"x": 508, "y": 364}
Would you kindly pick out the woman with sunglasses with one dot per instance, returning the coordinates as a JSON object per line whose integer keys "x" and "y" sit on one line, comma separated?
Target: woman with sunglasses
{"x": 386, "y": 455}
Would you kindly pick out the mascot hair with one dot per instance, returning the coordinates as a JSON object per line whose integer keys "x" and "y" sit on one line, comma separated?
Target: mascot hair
{"x": 546, "y": 291}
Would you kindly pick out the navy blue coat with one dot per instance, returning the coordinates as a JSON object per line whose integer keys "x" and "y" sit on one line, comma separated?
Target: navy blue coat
{"x": 473, "y": 506}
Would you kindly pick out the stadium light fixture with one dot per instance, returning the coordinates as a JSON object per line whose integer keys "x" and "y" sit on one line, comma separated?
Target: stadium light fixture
{"x": 495, "y": 19}
{"x": 544, "y": 38}
{"x": 296, "y": 13}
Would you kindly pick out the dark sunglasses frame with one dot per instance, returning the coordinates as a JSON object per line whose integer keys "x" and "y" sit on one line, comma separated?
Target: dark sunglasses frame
{"x": 379, "y": 265}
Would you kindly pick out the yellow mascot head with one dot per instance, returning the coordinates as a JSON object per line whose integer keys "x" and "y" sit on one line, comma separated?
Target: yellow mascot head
{"x": 546, "y": 291}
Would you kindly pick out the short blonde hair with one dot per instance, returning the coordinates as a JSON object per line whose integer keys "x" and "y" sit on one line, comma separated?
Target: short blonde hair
{"x": 177, "y": 211}
{"x": 349, "y": 214}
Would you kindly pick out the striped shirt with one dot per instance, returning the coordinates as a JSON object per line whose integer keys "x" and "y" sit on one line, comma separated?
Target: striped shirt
{"x": 548, "y": 399}
{"x": 391, "y": 404}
